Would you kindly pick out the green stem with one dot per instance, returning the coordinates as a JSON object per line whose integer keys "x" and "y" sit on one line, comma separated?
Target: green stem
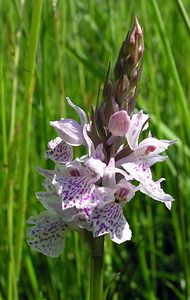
{"x": 29, "y": 88}
{"x": 97, "y": 256}
{"x": 12, "y": 288}
{"x": 3, "y": 120}
{"x": 184, "y": 15}
{"x": 78, "y": 260}
{"x": 15, "y": 78}
{"x": 59, "y": 58}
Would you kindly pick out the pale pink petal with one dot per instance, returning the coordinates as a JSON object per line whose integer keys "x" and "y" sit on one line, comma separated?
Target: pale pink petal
{"x": 154, "y": 159}
{"x": 152, "y": 146}
{"x": 148, "y": 151}
{"x": 79, "y": 219}
{"x": 94, "y": 167}
{"x": 109, "y": 176}
{"x": 139, "y": 170}
{"x": 60, "y": 151}
{"x": 81, "y": 113}
{"x": 50, "y": 200}
{"x": 90, "y": 145}
{"x": 110, "y": 219}
{"x": 135, "y": 157}
{"x": 119, "y": 123}
{"x": 110, "y": 172}
{"x": 46, "y": 173}
{"x": 99, "y": 154}
{"x": 168, "y": 205}
{"x": 154, "y": 190}
{"x": 136, "y": 126}
{"x": 48, "y": 234}
{"x": 70, "y": 131}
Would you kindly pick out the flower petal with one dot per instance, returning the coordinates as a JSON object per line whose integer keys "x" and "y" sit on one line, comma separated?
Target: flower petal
{"x": 94, "y": 167}
{"x": 76, "y": 218}
{"x": 148, "y": 150}
{"x": 109, "y": 176}
{"x": 152, "y": 146}
{"x": 110, "y": 219}
{"x": 49, "y": 174}
{"x": 99, "y": 154}
{"x": 81, "y": 113}
{"x": 60, "y": 151}
{"x": 48, "y": 234}
{"x": 119, "y": 123}
{"x": 154, "y": 190}
{"x": 125, "y": 190}
{"x": 90, "y": 145}
{"x": 50, "y": 200}
{"x": 70, "y": 131}
{"x": 136, "y": 126}
{"x": 75, "y": 191}
{"x": 139, "y": 170}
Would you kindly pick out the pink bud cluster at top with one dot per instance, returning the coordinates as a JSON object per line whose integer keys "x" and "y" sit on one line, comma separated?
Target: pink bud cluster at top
{"x": 89, "y": 193}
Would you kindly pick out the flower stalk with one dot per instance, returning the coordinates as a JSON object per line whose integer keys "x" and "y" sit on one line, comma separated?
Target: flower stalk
{"x": 96, "y": 276}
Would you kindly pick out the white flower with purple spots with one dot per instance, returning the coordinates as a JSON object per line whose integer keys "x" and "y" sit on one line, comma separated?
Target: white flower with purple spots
{"x": 143, "y": 156}
{"x": 47, "y": 235}
{"x": 110, "y": 218}
{"x": 88, "y": 193}
{"x": 60, "y": 152}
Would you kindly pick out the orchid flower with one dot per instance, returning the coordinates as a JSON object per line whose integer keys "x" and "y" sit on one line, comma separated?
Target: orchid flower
{"x": 89, "y": 193}
{"x": 143, "y": 156}
{"x": 110, "y": 218}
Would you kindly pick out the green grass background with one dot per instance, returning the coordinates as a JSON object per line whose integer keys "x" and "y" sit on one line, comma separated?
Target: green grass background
{"x": 76, "y": 41}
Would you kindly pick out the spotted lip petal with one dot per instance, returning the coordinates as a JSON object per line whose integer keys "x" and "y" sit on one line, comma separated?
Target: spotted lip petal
{"x": 110, "y": 219}
{"x": 59, "y": 151}
{"x": 48, "y": 234}
{"x": 141, "y": 172}
{"x": 75, "y": 191}
{"x": 154, "y": 190}
{"x": 72, "y": 216}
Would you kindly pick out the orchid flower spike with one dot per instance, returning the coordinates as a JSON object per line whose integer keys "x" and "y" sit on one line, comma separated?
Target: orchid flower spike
{"x": 91, "y": 192}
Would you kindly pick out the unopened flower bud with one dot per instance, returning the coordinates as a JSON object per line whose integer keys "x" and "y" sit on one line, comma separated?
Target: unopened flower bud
{"x": 119, "y": 123}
